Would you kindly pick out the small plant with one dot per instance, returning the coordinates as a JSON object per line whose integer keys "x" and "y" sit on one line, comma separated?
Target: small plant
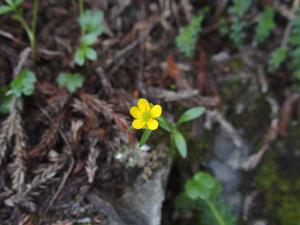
{"x": 237, "y": 11}
{"x": 288, "y": 49}
{"x": 14, "y": 6}
{"x": 70, "y": 81}
{"x": 5, "y": 101}
{"x": 294, "y": 41}
{"x": 188, "y": 35}
{"x": 91, "y": 24}
{"x": 278, "y": 56}
{"x": 148, "y": 117}
{"x": 203, "y": 193}
{"x": 265, "y": 25}
{"x": 22, "y": 85}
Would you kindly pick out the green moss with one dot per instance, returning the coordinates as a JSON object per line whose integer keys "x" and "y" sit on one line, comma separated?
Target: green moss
{"x": 281, "y": 192}
{"x": 292, "y": 141}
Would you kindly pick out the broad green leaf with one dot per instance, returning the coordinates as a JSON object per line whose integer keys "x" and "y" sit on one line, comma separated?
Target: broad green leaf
{"x": 191, "y": 114}
{"x": 192, "y": 189}
{"x": 10, "y": 2}
{"x": 5, "y": 9}
{"x": 164, "y": 123}
{"x": 92, "y": 22}
{"x": 14, "y": 3}
{"x": 23, "y": 84}
{"x": 205, "y": 179}
{"x": 89, "y": 39}
{"x": 180, "y": 143}
{"x": 203, "y": 192}
{"x": 145, "y": 137}
{"x": 70, "y": 81}
{"x": 91, "y": 54}
{"x": 79, "y": 56}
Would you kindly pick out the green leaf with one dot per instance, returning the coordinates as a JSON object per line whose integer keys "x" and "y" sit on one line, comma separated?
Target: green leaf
{"x": 145, "y": 137}
{"x": 91, "y": 54}
{"x": 205, "y": 180}
{"x": 184, "y": 202}
{"x": 191, "y": 114}
{"x": 192, "y": 189}
{"x": 70, "y": 81}
{"x": 278, "y": 56}
{"x": 79, "y": 56}
{"x": 5, "y": 101}
{"x": 240, "y": 7}
{"x": 92, "y": 22}
{"x": 89, "y": 39}
{"x": 14, "y": 3}
{"x": 265, "y": 25}
{"x": 165, "y": 124}
{"x": 180, "y": 143}
{"x": 5, "y": 9}
{"x": 9, "y": 2}
{"x": 23, "y": 84}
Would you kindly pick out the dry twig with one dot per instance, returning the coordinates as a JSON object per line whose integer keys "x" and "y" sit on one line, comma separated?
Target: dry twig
{"x": 19, "y": 151}
{"x": 6, "y": 134}
{"x": 91, "y": 164}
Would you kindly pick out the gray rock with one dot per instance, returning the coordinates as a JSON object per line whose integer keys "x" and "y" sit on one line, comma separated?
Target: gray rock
{"x": 141, "y": 204}
{"x": 226, "y": 166}
{"x": 145, "y": 198}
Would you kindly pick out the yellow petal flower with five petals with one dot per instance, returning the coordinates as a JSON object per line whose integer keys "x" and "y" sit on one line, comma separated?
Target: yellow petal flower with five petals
{"x": 145, "y": 115}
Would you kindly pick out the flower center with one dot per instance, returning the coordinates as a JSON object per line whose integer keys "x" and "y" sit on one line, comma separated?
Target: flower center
{"x": 146, "y": 116}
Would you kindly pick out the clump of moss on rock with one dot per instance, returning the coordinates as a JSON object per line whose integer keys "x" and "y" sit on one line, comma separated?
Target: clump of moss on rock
{"x": 281, "y": 192}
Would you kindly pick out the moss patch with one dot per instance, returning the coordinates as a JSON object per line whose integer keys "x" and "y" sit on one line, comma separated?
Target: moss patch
{"x": 281, "y": 192}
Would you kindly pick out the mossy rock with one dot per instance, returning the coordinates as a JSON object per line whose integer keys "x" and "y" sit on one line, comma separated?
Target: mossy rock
{"x": 281, "y": 192}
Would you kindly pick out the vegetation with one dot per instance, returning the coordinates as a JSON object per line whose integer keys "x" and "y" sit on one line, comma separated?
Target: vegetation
{"x": 203, "y": 194}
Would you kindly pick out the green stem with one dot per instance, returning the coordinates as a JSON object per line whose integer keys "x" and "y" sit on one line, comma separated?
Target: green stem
{"x": 215, "y": 212}
{"x": 34, "y": 17}
{"x": 30, "y": 32}
{"x": 81, "y": 7}
{"x": 26, "y": 27}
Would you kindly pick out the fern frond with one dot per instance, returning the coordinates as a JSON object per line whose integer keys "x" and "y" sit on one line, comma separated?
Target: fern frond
{"x": 265, "y": 25}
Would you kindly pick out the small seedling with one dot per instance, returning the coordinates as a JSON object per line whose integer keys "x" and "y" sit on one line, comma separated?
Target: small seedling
{"x": 70, "y": 81}
{"x": 14, "y": 7}
{"x": 91, "y": 24}
{"x": 22, "y": 85}
{"x": 188, "y": 35}
{"x": 237, "y": 11}
{"x": 265, "y": 25}
{"x": 278, "y": 56}
{"x": 203, "y": 193}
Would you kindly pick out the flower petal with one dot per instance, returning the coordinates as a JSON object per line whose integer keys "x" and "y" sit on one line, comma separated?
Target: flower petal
{"x": 143, "y": 104}
{"x": 152, "y": 124}
{"x": 135, "y": 112}
{"x": 156, "y": 111}
{"x": 138, "y": 124}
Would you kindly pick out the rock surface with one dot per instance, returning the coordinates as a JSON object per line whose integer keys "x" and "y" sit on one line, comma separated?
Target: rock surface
{"x": 226, "y": 166}
{"x": 141, "y": 204}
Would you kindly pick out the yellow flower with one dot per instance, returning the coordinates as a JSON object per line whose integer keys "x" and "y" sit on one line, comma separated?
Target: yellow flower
{"x": 145, "y": 115}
